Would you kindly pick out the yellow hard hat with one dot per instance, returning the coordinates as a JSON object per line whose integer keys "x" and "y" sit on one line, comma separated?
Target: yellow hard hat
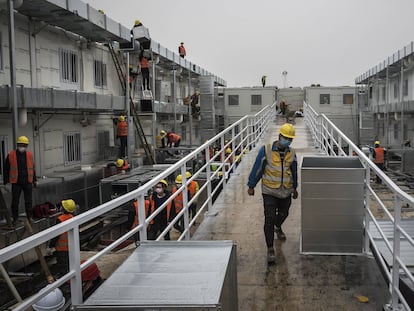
{"x": 69, "y": 205}
{"x": 187, "y": 174}
{"x": 119, "y": 163}
{"x": 23, "y": 140}
{"x": 228, "y": 150}
{"x": 287, "y": 130}
{"x": 164, "y": 182}
{"x": 137, "y": 22}
{"x": 121, "y": 118}
{"x": 163, "y": 133}
{"x": 179, "y": 179}
{"x": 377, "y": 142}
{"x": 220, "y": 174}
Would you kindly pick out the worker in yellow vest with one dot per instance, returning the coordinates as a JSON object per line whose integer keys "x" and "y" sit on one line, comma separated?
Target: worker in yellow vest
{"x": 276, "y": 166}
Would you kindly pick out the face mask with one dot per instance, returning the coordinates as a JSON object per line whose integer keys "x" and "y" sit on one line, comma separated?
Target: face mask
{"x": 21, "y": 149}
{"x": 284, "y": 142}
{"x": 158, "y": 190}
{"x": 179, "y": 185}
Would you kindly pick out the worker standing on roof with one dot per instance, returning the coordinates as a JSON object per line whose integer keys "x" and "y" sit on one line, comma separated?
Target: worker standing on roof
{"x": 60, "y": 243}
{"x": 378, "y": 154}
{"x": 264, "y": 81}
{"x": 122, "y": 134}
{"x": 160, "y": 222}
{"x": 276, "y": 165}
{"x": 144, "y": 65}
{"x": 19, "y": 171}
{"x": 193, "y": 188}
{"x": 167, "y": 139}
{"x": 181, "y": 50}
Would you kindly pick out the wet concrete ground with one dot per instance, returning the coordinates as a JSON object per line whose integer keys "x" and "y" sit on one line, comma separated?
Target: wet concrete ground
{"x": 296, "y": 281}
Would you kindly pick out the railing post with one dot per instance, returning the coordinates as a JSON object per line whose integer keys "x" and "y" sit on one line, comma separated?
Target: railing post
{"x": 367, "y": 205}
{"x": 208, "y": 175}
{"x": 141, "y": 217}
{"x": 185, "y": 202}
{"x": 74, "y": 264}
{"x": 395, "y": 276}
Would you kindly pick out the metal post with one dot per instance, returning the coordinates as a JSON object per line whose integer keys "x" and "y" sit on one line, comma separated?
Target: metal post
{"x": 13, "y": 93}
{"x": 141, "y": 218}
{"x": 395, "y": 273}
{"x": 387, "y": 101}
{"x": 190, "y": 117}
{"x": 74, "y": 264}
{"x": 127, "y": 99}
{"x": 401, "y": 97}
{"x": 174, "y": 99}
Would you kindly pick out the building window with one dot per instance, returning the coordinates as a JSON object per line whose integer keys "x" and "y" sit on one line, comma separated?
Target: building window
{"x": 69, "y": 66}
{"x": 383, "y": 93}
{"x": 99, "y": 69}
{"x": 103, "y": 144}
{"x": 256, "y": 100}
{"x": 396, "y": 129}
{"x": 233, "y": 100}
{"x": 395, "y": 90}
{"x": 324, "y": 99}
{"x": 72, "y": 147}
{"x": 348, "y": 99}
{"x": 405, "y": 88}
{"x": 1, "y": 52}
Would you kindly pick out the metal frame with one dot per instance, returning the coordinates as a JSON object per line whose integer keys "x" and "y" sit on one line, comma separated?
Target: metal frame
{"x": 251, "y": 130}
{"x": 332, "y": 141}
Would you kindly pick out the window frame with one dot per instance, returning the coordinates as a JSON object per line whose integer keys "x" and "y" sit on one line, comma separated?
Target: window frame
{"x": 252, "y": 102}
{"x": 72, "y": 150}
{"x": 103, "y": 72}
{"x": 69, "y": 66}
{"x": 230, "y": 101}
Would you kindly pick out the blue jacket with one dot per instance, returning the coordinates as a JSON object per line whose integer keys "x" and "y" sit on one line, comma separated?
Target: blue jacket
{"x": 260, "y": 163}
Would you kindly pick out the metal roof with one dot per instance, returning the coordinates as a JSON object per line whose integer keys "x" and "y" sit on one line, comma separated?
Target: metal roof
{"x": 380, "y": 69}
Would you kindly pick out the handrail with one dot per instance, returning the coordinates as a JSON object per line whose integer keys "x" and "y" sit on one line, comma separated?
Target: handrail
{"x": 329, "y": 138}
{"x": 243, "y": 134}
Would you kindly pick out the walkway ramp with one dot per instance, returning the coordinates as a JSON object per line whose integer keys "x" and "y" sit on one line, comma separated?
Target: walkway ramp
{"x": 296, "y": 281}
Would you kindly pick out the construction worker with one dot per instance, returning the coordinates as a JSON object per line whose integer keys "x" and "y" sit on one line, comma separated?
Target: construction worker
{"x": 160, "y": 222}
{"x": 122, "y": 134}
{"x": 264, "y": 81}
{"x": 282, "y": 107}
{"x": 276, "y": 165}
{"x": 133, "y": 219}
{"x": 171, "y": 138}
{"x": 178, "y": 203}
{"x": 60, "y": 243}
{"x": 378, "y": 154}
{"x": 144, "y": 66}
{"x": 193, "y": 188}
{"x": 122, "y": 166}
{"x": 19, "y": 171}
{"x": 181, "y": 50}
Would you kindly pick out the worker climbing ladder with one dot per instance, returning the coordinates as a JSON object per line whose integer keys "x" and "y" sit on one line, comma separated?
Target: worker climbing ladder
{"x": 133, "y": 110}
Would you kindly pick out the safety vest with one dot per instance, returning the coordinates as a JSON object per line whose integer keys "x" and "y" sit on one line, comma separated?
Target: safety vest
{"x": 62, "y": 242}
{"x": 181, "y": 50}
{"x": 136, "y": 219}
{"x": 152, "y": 208}
{"x": 276, "y": 172}
{"x": 193, "y": 188}
{"x": 14, "y": 170}
{"x": 158, "y": 141}
{"x": 122, "y": 128}
{"x": 173, "y": 138}
{"x": 379, "y": 155}
{"x": 144, "y": 63}
{"x": 178, "y": 200}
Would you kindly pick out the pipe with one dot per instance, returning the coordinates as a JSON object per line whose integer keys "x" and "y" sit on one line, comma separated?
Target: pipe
{"x": 13, "y": 92}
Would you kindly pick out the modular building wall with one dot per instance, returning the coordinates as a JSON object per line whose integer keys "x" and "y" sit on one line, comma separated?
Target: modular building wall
{"x": 293, "y": 96}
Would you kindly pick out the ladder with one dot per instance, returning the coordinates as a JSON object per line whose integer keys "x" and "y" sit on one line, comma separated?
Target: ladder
{"x": 137, "y": 123}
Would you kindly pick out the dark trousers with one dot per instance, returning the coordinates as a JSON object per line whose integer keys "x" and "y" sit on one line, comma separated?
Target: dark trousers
{"x": 62, "y": 261}
{"x": 16, "y": 192}
{"x": 378, "y": 179}
{"x": 275, "y": 211}
{"x": 155, "y": 230}
{"x": 179, "y": 225}
{"x": 145, "y": 78}
{"x": 193, "y": 210}
{"x": 177, "y": 143}
{"x": 123, "y": 148}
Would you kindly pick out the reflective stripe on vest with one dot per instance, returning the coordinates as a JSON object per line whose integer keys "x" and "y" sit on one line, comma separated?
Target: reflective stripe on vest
{"x": 276, "y": 173}
{"x": 14, "y": 170}
{"x": 152, "y": 208}
{"x": 62, "y": 242}
{"x": 136, "y": 218}
{"x": 379, "y": 155}
{"x": 122, "y": 128}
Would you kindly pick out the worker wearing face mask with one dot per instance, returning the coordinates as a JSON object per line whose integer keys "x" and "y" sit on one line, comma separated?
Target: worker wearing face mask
{"x": 276, "y": 165}
{"x": 19, "y": 171}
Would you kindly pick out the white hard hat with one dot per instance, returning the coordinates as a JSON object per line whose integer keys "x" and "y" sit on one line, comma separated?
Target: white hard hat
{"x": 51, "y": 302}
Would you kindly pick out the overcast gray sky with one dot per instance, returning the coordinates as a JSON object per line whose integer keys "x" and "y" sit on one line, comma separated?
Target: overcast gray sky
{"x": 330, "y": 42}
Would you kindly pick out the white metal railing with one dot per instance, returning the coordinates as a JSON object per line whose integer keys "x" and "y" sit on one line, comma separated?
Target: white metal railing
{"x": 242, "y": 135}
{"x": 333, "y": 142}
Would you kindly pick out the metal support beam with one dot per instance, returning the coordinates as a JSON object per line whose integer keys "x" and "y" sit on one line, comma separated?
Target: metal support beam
{"x": 190, "y": 113}
{"x": 174, "y": 100}
{"x": 401, "y": 100}
{"x": 13, "y": 93}
{"x": 127, "y": 103}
